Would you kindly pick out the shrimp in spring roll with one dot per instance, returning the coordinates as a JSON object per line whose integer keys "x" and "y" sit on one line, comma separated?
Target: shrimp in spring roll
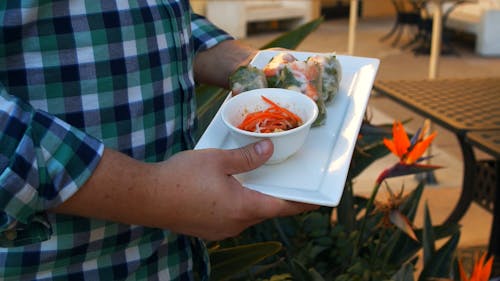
{"x": 331, "y": 74}
{"x": 272, "y": 69}
{"x": 305, "y": 77}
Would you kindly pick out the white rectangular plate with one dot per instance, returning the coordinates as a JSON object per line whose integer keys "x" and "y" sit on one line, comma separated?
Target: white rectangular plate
{"x": 317, "y": 172}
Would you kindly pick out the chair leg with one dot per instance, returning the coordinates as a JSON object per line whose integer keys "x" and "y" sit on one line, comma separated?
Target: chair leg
{"x": 416, "y": 38}
{"x": 398, "y": 36}
{"x": 391, "y": 32}
{"x": 447, "y": 46}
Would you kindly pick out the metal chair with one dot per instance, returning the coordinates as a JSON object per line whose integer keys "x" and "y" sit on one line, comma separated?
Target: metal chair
{"x": 422, "y": 40}
{"x": 408, "y": 14}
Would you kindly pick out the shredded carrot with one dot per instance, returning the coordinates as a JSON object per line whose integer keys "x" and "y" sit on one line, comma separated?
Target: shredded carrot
{"x": 273, "y": 119}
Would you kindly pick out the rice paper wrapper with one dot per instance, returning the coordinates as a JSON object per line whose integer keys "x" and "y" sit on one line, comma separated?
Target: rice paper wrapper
{"x": 331, "y": 75}
{"x": 247, "y": 78}
{"x": 305, "y": 77}
{"x": 273, "y": 68}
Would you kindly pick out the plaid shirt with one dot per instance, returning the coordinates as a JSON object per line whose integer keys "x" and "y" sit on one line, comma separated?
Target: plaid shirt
{"x": 76, "y": 76}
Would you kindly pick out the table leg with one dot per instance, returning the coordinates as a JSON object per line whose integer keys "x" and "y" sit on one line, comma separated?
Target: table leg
{"x": 468, "y": 181}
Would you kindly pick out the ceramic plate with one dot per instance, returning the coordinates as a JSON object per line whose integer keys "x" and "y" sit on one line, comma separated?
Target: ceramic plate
{"x": 317, "y": 172}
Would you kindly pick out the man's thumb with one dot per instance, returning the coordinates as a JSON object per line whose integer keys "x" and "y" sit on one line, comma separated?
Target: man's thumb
{"x": 249, "y": 157}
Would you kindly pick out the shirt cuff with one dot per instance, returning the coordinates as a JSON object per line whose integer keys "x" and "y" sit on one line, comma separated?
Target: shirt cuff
{"x": 45, "y": 161}
{"x": 205, "y": 34}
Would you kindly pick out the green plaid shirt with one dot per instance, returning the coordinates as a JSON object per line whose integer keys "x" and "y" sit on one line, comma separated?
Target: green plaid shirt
{"x": 75, "y": 76}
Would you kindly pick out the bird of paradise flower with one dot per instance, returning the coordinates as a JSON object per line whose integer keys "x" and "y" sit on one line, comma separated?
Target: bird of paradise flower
{"x": 409, "y": 152}
{"x": 481, "y": 270}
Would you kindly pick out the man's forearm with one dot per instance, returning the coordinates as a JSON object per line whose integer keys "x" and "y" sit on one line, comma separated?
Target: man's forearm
{"x": 121, "y": 189}
{"x": 215, "y": 65}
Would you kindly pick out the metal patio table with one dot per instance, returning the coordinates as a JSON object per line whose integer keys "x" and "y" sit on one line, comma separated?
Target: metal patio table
{"x": 470, "y": 108}
{"x": 487, "y": 185}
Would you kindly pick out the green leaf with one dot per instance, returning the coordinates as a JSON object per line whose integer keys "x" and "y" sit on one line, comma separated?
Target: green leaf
{"x": 316, "y": 224}
{"x": 227, "y": 262}
{"x": 315, "y": 275}
{"x": 360, "y": 203}
{"x": 404, "y": 247}
{"x": 440, "y": 231}
{"x": 410, "y": 206}
{"x": 208, "y": 99}
{"x": 293, "y": 38}
{"x": 364, "y": 156}
{"x": 429, "y": 239}
{"x": 405, "y": 273}
{"x": 369, "y": 147}
{"x": 346, "y": 214}
{"x": 437, "y": 264}
{"x": 440, "y": 264}
{"x": 300, "y": 272}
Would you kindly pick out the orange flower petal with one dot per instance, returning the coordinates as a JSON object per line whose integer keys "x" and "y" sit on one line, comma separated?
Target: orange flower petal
{"x": 391, "y": 146}
{"x": 419, "y": 149}
{"x": 400, "y": 138}
{"x": 486, "y": 272}
{"x": 463, "y": 275}
{"x": 481, "y": 270}
{"x": 484, "y": 268}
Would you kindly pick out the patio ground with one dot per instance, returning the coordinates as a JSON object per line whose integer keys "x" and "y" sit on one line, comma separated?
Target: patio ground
{"x": 396, "y": 63}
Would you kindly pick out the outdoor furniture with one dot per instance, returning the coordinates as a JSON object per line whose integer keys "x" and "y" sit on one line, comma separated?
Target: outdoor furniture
{"x": 481, "y": 19}
{"x": 487, "y": 186}
{"x": 423, "y": 40}
{"x": 408, "y": 14}
{"x": 233, "y": 16}
{"x": 469, "y": 108}
{"x": 436, "y": 33}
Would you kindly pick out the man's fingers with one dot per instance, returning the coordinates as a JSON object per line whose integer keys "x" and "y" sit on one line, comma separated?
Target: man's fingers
{"x": 264, "y": 206}
{"x": 248, "y": 158}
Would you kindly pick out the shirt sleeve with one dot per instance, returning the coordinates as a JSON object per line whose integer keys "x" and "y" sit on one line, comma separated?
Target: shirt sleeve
{"x": 43, "y": 161}
{"x": 205, "y": 34}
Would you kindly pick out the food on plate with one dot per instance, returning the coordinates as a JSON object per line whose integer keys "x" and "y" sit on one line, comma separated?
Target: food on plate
{"x": 247, "y": 78}
{"x": 318, "y": 77}
{"x": 331, "y": 74}
{"x": 302, "y": 76}
{"x": 305, "y": 77}
{"x": 271, "y": 120}
{"x": 272, "y": 70}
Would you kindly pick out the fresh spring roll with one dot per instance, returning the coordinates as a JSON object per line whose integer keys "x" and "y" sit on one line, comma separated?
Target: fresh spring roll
{"x": 247, "y": 78}
{"x": 305, "y": 77}
{"x": 273, "y": 68}
{"x": 331, "y": 75}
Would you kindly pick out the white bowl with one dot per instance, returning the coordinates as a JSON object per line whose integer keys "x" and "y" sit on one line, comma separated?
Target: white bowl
{"x": 286, "y": 143}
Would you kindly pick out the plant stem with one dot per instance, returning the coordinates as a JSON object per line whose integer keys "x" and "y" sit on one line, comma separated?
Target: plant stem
{"x": 368, "y": 207}
{"x": 379, "y": 245}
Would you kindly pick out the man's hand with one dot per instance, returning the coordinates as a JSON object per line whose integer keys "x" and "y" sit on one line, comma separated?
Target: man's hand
{"x": 222, "y": 207}
{"x": 193, "y": 192}
{"x": 215, "y": 65}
